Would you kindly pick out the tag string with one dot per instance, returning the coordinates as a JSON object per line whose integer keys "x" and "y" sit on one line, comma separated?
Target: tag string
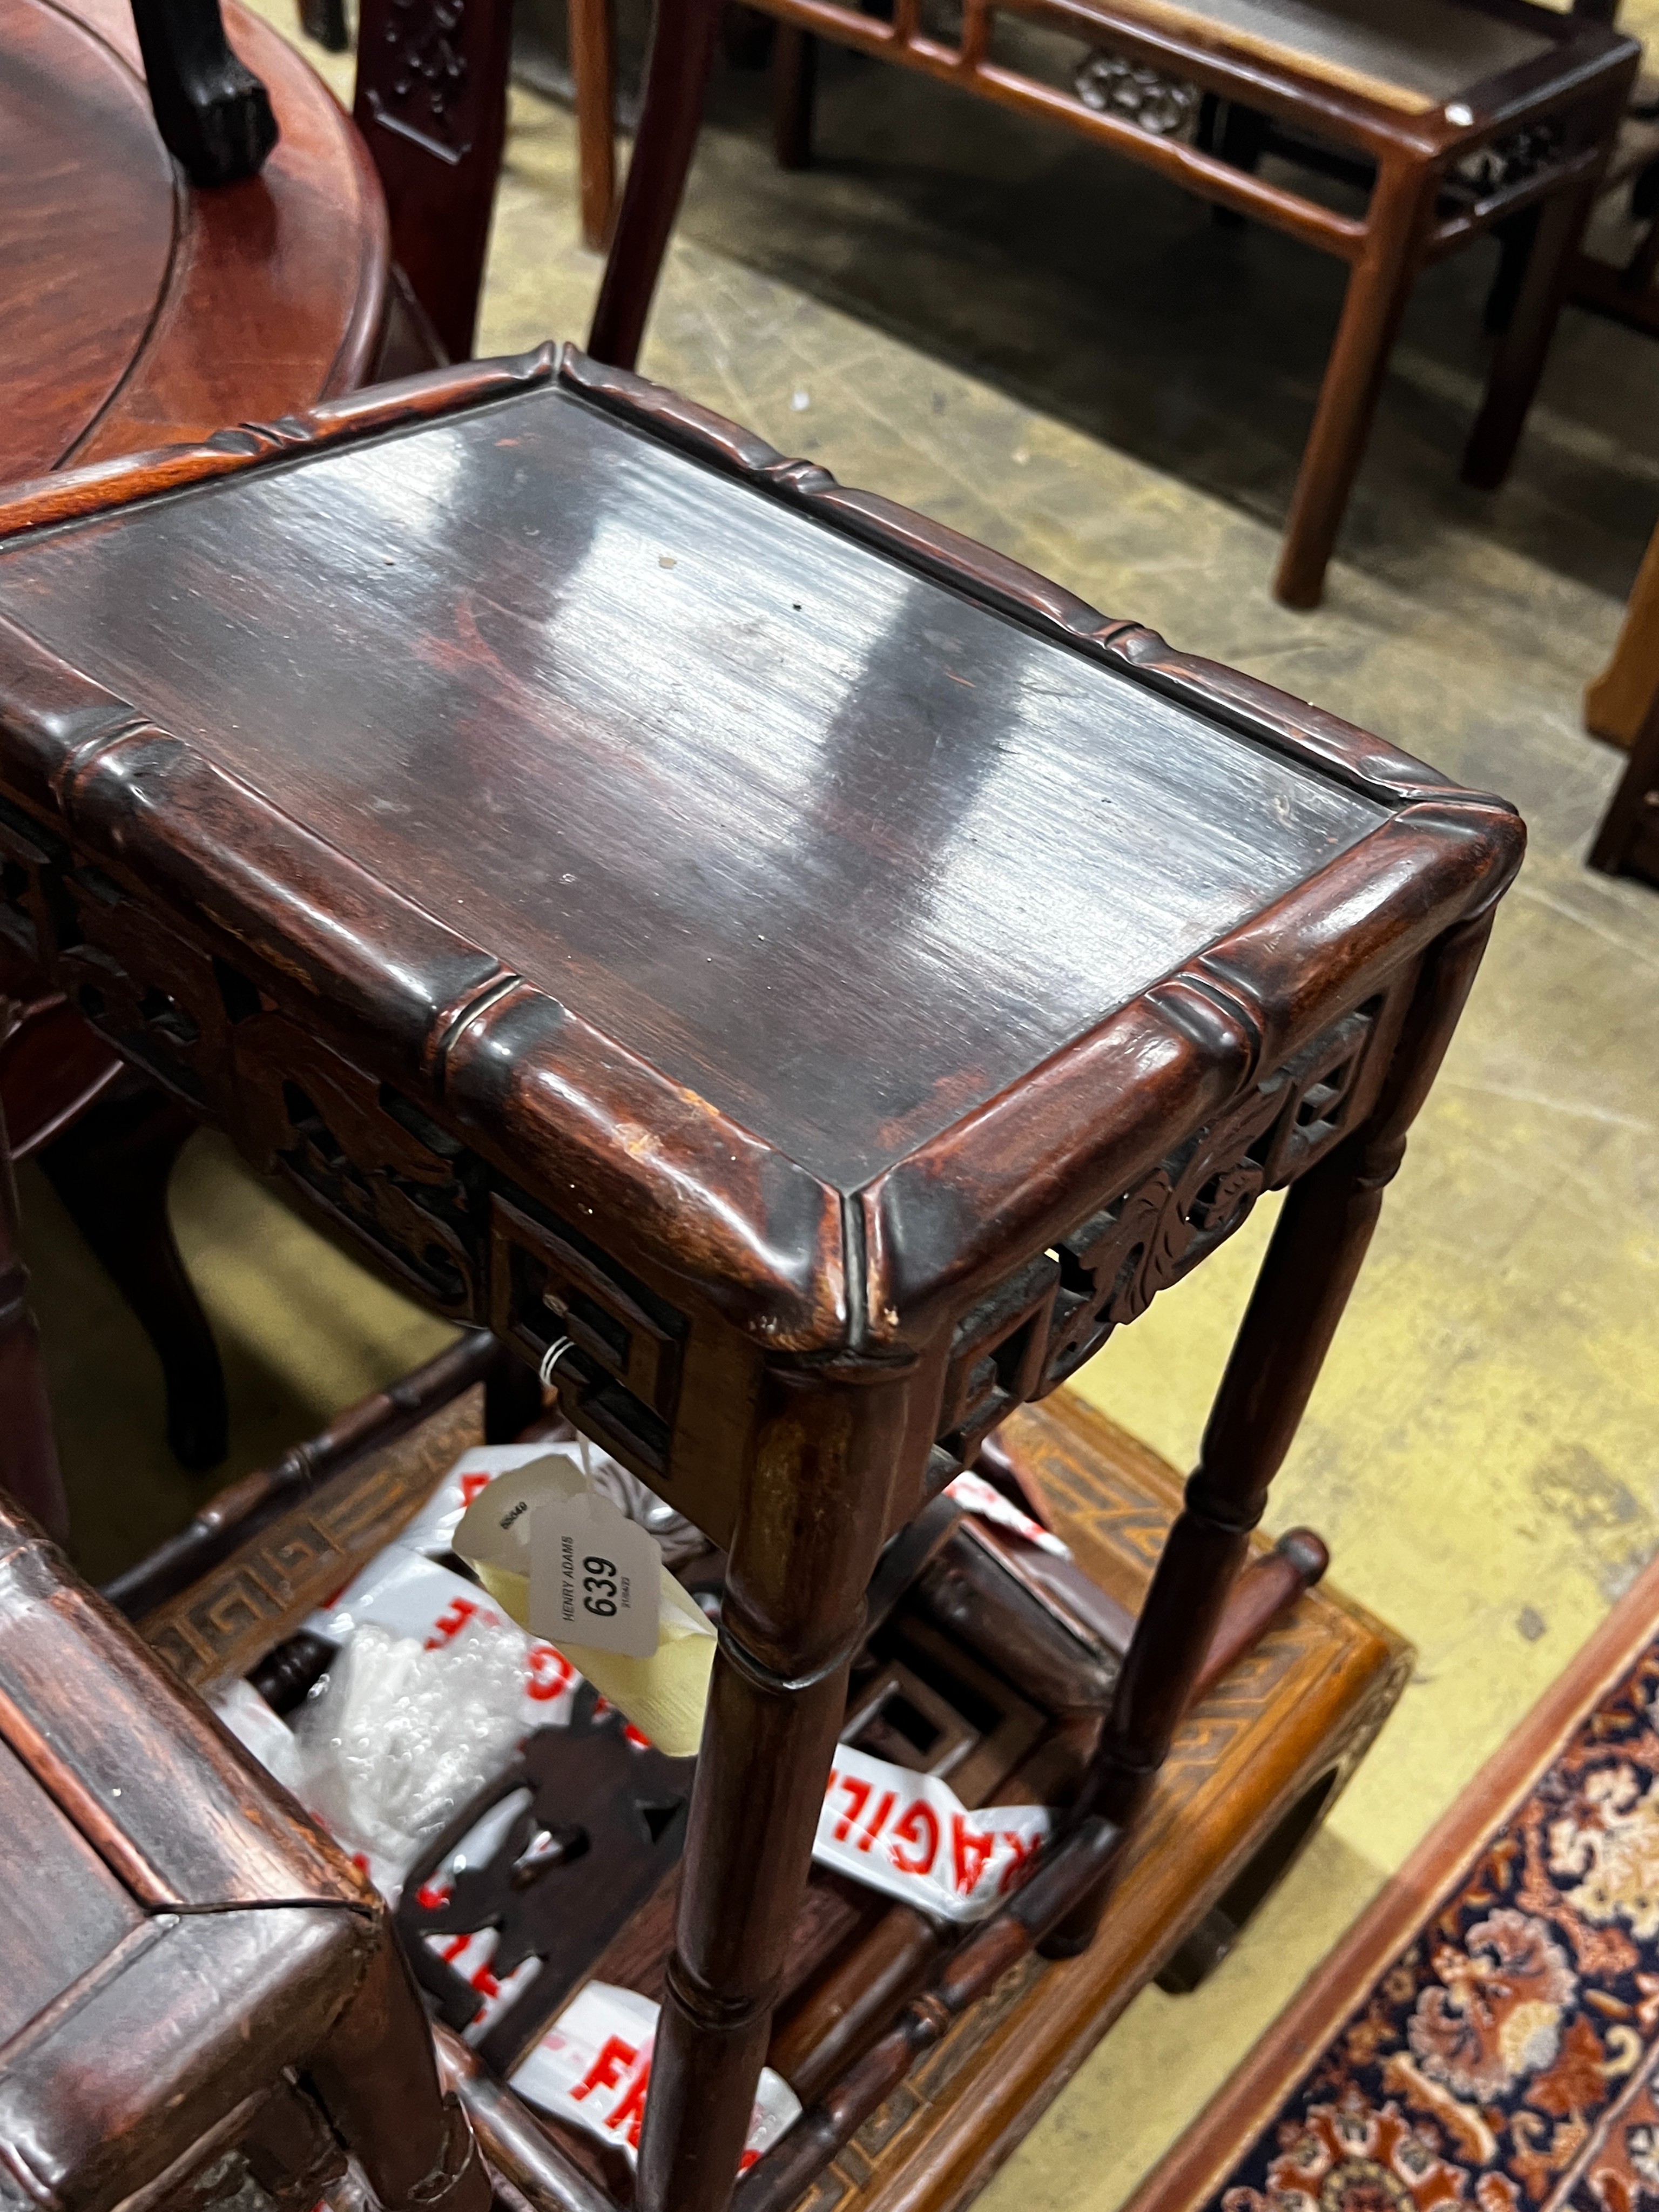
{"x": 550, "y": 1358}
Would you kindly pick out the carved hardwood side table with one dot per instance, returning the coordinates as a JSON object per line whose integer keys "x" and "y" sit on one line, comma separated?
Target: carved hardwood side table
{"x": 650, "y": 896}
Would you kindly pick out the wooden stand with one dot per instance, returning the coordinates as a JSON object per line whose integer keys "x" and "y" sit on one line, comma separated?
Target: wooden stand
{"x": 1255, "y": 1768}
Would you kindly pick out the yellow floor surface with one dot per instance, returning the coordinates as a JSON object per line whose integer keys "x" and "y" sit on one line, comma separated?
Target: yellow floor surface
{"x": 1483, "y": 1452}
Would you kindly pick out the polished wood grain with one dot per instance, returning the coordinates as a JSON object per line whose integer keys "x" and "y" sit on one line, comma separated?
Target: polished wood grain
{"x": 1421, "y": 54}
{"x": 140, "y": 310}
{"x": 193, "y": 1938}
{"x": 43, "y": 1959}
{"x": 850, "y": 1092}
{"x": 876, "y": 963}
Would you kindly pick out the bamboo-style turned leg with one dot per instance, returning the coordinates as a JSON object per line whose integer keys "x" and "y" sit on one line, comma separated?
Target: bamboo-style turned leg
{"x": 791, "y": 1619}
{"x": 1303, "y": 1285}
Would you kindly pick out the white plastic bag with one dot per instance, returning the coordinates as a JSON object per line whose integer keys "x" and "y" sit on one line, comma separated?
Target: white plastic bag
{"x": 593, "y": 2065}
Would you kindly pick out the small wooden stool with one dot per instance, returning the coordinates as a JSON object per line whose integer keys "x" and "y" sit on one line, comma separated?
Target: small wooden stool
{"x": 802, "y": 979}
{"x": 180, "y": 1944}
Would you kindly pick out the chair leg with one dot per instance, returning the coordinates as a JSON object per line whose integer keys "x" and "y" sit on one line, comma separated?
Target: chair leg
{"x": 1629, "y": 831}
{"x": 593, "y": 70}
{"x": 1515, "y": 239}
{"x": 378, "y": 2080}
{"x": 326, "y": 22}
{"x": 1620, "y": 701}
{"x": 211, "y": 111}
{"x": 682, "y": 54}
{"x": 1379, "y": 285}
{"x": 794, "y": 84}
{"x": 111, "y": 1170}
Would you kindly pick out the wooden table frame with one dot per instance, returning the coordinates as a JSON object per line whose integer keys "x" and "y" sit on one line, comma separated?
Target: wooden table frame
{"x": 815, "y": 1364}
{"x": 1291, "y": 1695}
{"x": 1414, "y": 218}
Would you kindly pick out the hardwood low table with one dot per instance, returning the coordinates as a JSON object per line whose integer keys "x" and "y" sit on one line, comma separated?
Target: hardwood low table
{"x": 1255, "y": 1768}
{"x": 1455, "y": 117}
{"x": 799, "y": 978}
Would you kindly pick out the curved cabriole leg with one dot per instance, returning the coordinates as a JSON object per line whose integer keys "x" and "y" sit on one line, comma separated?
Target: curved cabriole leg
{"x": 213, "y": 113}
{"x": 682, "y": 54}
{"x": 111, "y": 1170}
{"x": 1310, "y": 1268}
{"x": 792, "y": 1617}
{"x": 378, "y": 2080}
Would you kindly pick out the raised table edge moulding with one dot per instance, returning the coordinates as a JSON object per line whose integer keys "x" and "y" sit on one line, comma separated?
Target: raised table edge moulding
{"x": 796, "y": 976}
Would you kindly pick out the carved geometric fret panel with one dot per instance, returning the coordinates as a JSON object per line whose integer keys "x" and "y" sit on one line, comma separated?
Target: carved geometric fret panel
{"x": 1113, "y": 1265}
{"x": 443, "y": 1222}
{"x": 1044, "y": 1323}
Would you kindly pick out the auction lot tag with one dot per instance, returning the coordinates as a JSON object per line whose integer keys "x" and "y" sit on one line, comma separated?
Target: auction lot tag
{"x": 595, "y": 1576}
{"x": 910, "y": 1836}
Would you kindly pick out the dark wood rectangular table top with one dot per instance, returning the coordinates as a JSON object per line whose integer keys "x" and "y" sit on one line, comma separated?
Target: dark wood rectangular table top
{"x": 835, "y": 847}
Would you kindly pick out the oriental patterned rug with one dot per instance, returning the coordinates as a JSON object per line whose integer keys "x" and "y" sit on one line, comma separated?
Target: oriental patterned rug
{"x": 1488, "y": 2033}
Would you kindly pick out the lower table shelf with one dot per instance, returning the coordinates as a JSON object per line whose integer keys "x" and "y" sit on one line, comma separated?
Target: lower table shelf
{"x": 1255, "y": 1768}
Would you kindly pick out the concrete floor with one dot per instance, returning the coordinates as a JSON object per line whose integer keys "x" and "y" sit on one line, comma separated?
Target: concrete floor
{"x": 1065, "y": 357}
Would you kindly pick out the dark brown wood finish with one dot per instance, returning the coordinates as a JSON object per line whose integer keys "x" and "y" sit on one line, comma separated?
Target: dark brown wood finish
{"x": 655, "y": 896}
{"x": 1411, "y": 98}
{"x": 1287, "y": 1703}
{"x": 183, "y": 1937}
{"x": 139, "y": 309}
{"x": 1627, "y": 840}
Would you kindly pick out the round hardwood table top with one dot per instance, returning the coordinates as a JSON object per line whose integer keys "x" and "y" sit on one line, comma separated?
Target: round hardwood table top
{"x": 140, "y": 309}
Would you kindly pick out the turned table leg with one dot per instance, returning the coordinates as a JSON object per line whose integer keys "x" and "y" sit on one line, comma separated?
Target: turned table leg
{"x": 1379, "y": 285}
{"x": 1309, "y": 1269}
{"x": 790, "y": 1619}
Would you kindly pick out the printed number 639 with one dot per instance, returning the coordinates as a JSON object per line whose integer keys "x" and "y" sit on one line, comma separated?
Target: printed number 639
{"x": 599, "y": 1583}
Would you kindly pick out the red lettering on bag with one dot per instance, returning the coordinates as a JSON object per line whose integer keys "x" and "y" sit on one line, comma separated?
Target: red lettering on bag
{"x": 1024, "y": 1849}
{"x": 970, "y": 1849}
{"x": 548, "y": 1673}
{"x": 471, "y": 1484}
{"x": 920, "y": 1829}
{"x": 610, "y": 2068}
{"x": 858, "y": 1796}
{"x": 874, "y": 1827}
{"x": 451, "y": 1621}
{"x": 630, "y": 2111}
